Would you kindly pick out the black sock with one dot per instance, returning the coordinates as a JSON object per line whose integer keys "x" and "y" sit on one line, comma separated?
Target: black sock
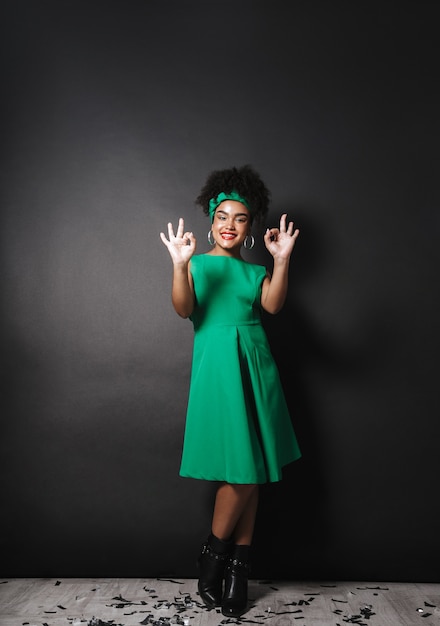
{"x": 219, "y": 545}
{"x": 241, "y": 553}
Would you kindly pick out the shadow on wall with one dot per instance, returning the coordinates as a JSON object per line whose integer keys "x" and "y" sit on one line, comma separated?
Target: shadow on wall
{"x": 291, "y": 533}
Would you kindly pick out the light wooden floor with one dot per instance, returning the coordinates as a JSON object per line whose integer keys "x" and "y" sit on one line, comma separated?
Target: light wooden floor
{"x": 160, "y": 602}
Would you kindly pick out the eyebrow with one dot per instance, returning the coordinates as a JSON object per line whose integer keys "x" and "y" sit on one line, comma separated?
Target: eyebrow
{"x": 234, "y": 214}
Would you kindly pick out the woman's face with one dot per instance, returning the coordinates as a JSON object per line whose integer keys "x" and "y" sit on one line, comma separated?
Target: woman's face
{"x": 231, "y": 225}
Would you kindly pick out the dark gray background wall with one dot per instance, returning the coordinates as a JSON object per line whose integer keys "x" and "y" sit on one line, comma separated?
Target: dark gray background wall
{"x": 114, "y": 113}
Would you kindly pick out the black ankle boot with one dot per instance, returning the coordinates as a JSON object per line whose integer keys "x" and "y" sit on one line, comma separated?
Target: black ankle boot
{"x": 212, "y": 567}
{"x": 235, "y": 596}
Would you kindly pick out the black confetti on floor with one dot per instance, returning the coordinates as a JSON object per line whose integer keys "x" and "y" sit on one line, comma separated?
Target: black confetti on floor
{"x": 185, "y": 610}
{"x": 170, "y": 580}
{"x": 99, "y": 622}
{"x": 240, "y": 620}
{"x": 119, "y": 597}
{"x": 287, "y": 612}
{"x": 367, "y": 611}
{"x": 164, "y": 621}
{"x": 123, "y": 603}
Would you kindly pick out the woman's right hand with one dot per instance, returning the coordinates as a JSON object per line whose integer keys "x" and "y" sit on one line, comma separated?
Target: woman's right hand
{"x": 181, "y": 245}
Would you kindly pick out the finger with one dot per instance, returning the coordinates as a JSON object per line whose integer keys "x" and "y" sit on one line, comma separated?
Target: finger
{"x": 187, "y": 237}
{"x": 164, "y": 239}
{"x": 290, "y": 228}
{"x": 268, "y": 236}
{"x": 283, "y": 222}
{"x": 192, "y": 241}
{"x": 180, "y": 228}
{"x": 170, "y": 231}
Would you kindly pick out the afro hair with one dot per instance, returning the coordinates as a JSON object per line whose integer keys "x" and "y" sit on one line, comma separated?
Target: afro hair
{"x": 245, "y": 181}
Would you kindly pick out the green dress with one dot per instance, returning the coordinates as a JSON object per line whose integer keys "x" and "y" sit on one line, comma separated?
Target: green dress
{"x": 238, "y": 427}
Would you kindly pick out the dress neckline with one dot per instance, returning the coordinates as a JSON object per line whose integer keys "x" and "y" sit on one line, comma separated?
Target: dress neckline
{"x": 222, "y": 256}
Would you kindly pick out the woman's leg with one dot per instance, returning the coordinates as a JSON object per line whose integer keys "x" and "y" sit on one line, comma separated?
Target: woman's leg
{"x": 233, "y": 523}
{"x": 234, "y": 518}
{"x": 244, "y": 529}
{"x": 234, "y": 512}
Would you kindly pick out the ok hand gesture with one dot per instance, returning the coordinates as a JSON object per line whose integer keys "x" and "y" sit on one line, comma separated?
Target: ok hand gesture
{"x": 280, "y": 241}
{"x": 181, "y": 246}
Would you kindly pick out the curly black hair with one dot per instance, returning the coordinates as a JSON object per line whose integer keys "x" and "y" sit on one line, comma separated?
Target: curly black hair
{"x": 245, "y": 181}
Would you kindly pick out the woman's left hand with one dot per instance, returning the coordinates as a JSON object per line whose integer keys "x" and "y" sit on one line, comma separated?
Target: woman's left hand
{"x": 280, "y": 241}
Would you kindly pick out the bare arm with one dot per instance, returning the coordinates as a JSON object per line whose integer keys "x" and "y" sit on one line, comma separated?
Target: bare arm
{"x": 280, "y": 243}
{"x": 181, "y": 248}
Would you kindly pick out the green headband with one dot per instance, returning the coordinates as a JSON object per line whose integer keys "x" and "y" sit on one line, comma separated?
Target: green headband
{"x": 232, "y": 195}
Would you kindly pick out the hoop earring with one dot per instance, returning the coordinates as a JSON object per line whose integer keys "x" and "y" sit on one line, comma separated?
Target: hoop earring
{"x": 246, "y": 243}
{"x": 211, "y": 240}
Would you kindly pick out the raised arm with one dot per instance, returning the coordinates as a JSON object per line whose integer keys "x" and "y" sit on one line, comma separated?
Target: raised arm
{"x": 181, "y": 247}
{"x": 280, "y": 243}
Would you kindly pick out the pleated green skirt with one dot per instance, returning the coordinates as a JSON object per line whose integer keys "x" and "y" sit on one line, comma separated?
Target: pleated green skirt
{"x": 238, "y": 427}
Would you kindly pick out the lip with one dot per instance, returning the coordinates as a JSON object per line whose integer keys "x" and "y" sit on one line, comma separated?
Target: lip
{"x": 228, "y": 236}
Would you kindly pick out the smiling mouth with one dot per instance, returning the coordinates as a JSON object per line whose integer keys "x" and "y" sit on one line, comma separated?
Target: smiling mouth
{"x": 228, "y": 236}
